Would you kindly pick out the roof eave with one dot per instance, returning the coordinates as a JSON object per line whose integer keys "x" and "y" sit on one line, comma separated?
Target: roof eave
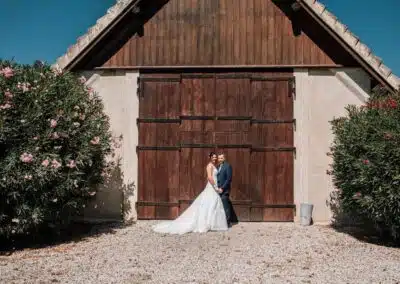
{"x": 95, "y": 34}
{"x": 361, "y": 53}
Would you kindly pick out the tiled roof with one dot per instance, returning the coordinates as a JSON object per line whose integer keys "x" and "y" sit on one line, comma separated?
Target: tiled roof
{"x": 354, "y": 42}
{"x": 84, "y": 41}
{"x": 318, "y": 9}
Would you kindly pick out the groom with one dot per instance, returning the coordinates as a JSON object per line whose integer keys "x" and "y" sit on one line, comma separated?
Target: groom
{"x": 224, "y": 179}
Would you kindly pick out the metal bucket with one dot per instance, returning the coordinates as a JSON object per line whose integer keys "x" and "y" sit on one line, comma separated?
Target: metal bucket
{"x": 306, "y": 214}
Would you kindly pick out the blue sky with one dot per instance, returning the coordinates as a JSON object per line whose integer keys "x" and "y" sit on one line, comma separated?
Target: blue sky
{"x": 45, "y": 29}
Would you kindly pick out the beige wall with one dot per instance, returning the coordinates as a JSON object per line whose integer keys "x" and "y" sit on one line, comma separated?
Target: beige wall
{"x": 118, "y": 90}
{"x": 321, "y": 95}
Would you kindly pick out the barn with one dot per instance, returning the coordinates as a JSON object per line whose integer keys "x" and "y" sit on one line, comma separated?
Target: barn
{"x": 259, "y": 80}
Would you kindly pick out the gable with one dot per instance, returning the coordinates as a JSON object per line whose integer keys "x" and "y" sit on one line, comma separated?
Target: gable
{"x": 221, "y": 33}
{"x": 137, "y": 33}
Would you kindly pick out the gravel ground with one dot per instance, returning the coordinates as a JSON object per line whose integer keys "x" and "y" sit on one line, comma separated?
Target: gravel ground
{"x": 248, "y": 253}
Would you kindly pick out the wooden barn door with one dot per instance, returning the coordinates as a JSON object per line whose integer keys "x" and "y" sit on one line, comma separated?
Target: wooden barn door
{"x": 183, "y": 117}
{"x": 272, "y": 153}
{"x": 158, "y": 150}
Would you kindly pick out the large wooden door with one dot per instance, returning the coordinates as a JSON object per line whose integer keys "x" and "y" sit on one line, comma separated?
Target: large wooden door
{"x": 158, "y": 153}
{"x": 249, "y": 117}
{"x": 271, "y": 164}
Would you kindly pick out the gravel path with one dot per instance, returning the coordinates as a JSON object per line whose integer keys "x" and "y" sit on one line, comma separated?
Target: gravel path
{"x": 248, "y": 253}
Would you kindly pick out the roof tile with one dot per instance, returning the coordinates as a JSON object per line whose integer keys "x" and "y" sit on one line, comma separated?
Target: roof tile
{"x": 363, "y": 49}
{"x": 394, "y": 80}
{"x": 350, "y": 38}
{"x": 385, "y": 70}
{"x": 318, "y": 7}
{"x": 329, "y": 18}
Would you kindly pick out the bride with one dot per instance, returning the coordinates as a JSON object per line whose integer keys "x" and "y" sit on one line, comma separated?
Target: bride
{"x": 206, "y": 213}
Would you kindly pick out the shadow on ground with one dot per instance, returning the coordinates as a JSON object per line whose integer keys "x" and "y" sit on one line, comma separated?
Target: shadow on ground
{"x": 360, "y": 227}
{"x": 368, "y": 235}
{"x": 75, "y": 232}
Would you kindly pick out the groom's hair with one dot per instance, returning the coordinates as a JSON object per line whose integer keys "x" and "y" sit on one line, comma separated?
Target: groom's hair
{"x": 221, "y": 154}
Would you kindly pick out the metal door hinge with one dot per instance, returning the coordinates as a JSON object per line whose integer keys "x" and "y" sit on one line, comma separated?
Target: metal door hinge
{"x": 139, "y": 88}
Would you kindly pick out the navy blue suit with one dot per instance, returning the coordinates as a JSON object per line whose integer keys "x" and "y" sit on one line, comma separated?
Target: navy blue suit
{"x": 224, "y": 180}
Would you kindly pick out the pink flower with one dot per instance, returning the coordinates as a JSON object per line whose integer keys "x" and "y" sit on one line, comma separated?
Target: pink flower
{"x": 82, "y": 80}
{"x": 95, "y": 140}
{"x": 388, "y": 136}
{"x": 116, "y": 142}
{"x": 28, "y": 177}
{"x": 26, "y": 157}
{"x": 53, "y": 123}
{"x": 24, "y": 86}
{"x": 8, "y": 95}
{"x": 5, "y": 106}
{"x": 55, "y": 164}
{"x": 365, "y": 162}
{"x": 82, "y": 116}
{"x": 7, "y": 72}
{"x": 71, "y": 164}
{"x": 55, "y": 135}
{"x": 45, "y": 163}
{"x": 357, "y": 195}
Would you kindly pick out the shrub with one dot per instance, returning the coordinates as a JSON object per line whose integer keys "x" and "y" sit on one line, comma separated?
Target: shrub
{"x": 366, "y": 161}
{"x": 54, "y": 138}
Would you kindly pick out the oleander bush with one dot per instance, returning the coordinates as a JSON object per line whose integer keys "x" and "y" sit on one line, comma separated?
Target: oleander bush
{"x": 54, "y": 140}
{"x": 366, "y": 161}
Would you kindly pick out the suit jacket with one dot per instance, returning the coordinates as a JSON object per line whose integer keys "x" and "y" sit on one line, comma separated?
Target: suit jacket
{"x": 224, "y": 177}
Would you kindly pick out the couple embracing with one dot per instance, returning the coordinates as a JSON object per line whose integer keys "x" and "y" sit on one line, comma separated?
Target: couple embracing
{"x": 212, "y": 210}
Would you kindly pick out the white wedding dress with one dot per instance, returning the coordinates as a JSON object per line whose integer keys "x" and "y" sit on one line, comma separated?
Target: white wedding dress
{"x": 206, "y": 213}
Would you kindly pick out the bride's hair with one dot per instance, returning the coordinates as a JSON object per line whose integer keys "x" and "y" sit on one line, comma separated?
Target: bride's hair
{"x": 211, "y": 154}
